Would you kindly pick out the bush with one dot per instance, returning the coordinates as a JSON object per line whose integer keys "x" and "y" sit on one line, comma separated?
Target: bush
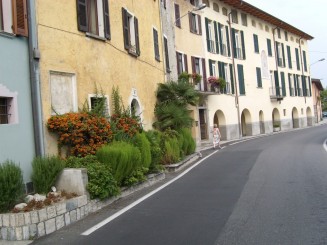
{"x": 83, "y": 133}
{"x": 45, "y": 171}
{"x": 101, "y": 183}
{"x": 143, "y": 144}
{"x": 11, "y": 185}
{"x": 171, "y": 151}
{"x": 188, "y": 144}
{"x": 155, "y": 138}
{"x": 137, "y": 176}
{"x": 122, "y": 157}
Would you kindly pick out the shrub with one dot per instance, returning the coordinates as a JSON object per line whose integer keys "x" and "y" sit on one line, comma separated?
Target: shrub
{"x": 155, "y": 138}
{"x": 143, "y": 144}
{"x": 101, "y": 183}
{"x": 45, "y": 171}
{"x": 188, "y": 144}
{"x": 122, "y": 157}
{"x": 171, "y": 151}
{"x": 11, "y": 185}
{"x": 83, "y": 133}
{"x": 137, "y": 176}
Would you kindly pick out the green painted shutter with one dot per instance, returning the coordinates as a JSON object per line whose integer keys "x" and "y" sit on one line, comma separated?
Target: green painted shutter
{"x": 241, "y": 79}
{"x": 216, "y": 38}
{"x": 297, "y": 59}
{"x": 256, "y": 44}
{"x": 304, "y": 86}
{"x": 207, "y": 34}
{"x": 305, "y": 61}
{"x": 259, "y": 79}
{"x": 82, "y": 15}
{"x": 290, "y": 84}
{"x": 277, "y": 53}
{"x": 309, "y": 78}
{"x": 295, "y": 85}
{"x": 283, "y": 55}
{"x": 137, "y": 39}
{"x": 227, "y": 38}
{"x": 282, "y": 77}
{"x": 269, "y": 47}
{"x": 289, "y": 57}
{"x": 243, "y": 45}
{"x": 106, "y": 20}
{"x": 234, "y": 42}
{"x": 219, "y": 69}
{"x": 231, "y": 77}
{"x": 210, "y": 68}
{"x": 277, "y": 82}
{"x": 220, "y": 38}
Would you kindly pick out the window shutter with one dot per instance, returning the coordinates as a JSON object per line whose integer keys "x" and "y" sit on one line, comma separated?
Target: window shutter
{"x": 282, "y": 77}
{"x": 179, "y": 68}
{"x": 243, "y": 45}
{"x": 185, "y": 63}
{"x": 276, "y": 82}
{"x": 256, "y": 44}
{"x": 166, "y": 54}
{"x": 177, "y": 16}
{"x": 297, "y": 58}
{"x": 106, "y": 19}
{"x": 304, "y": 86}
{"x": 295, "y": 85}
{"x": 220, "y": 71}
{"x": 241, "y": 79}
{"x": 125, "y": 28}
{"x": 156, "y": 45}
{"x": 290, "y": 84}
{"x": 259, "y": 80}
{"x": 204, "y": 73}
{"x": 206, "y": 21}
{"x": 200, "y": 26}
{"x": 234, "y": 42}
{"x": 231, "y": 77}
{"x": 309, "y": 79}
{"x": 20, "y": 17}
{"x": 137, "y": 40}
{"x": 269, "y": 47}
{"x": 210, "y": 68}
{"x": 283, "y": 55}
{"x": 190, "y": 20}
{"x": 82, "y": 16}
{"x": 220, "y": 38}
{"x": 193, "y": 64}
{"x": 216, "y": 37}
{"x": 289, "y": 56}
{"x": 276, "y": 44}
{"x": 227, "y": 38}
{"x": 305, "y": 61}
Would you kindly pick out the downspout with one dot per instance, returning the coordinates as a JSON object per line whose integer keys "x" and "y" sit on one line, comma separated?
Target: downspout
{"x": 34, "y": 56}
{"x": 300, "y": 48}
{"x": 234, "y": 72}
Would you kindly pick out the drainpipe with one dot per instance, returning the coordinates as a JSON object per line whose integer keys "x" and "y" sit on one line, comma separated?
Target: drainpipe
{"x": 34, "y": 56}
{"x": 300, "y": 48}
{"x": 237, "y": 105}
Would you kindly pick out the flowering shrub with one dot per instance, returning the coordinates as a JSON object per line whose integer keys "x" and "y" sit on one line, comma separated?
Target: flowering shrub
{"x": 196, "y": 78}
{"x": 83, "y": 133}
{"x": 125, "y": 126}
{"x": 212, "y": 80}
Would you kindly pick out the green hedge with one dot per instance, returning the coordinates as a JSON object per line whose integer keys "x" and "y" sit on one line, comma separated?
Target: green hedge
{"x": 45, "y": 171}
{"x": 122, "y": 157}
{"x": 11, "y": 185}
{"x": 156, "y": 148}
{"x": 143, "y": 144}
{"x": 101, "y": 183}
{"x": 188, "y": 143}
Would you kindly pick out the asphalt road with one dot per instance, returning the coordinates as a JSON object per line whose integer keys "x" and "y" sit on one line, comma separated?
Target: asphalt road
{"x": 269, "y": 190}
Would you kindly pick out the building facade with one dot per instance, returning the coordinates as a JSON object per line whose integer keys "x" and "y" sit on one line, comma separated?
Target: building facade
{"x": 316, "y": 89}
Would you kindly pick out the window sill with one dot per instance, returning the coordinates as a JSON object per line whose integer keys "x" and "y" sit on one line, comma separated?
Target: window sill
{"x": 7, "y": 34}
{"x": 91, "y": 35}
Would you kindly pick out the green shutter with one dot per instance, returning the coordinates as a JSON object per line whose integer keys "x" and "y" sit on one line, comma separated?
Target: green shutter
{"x": 210, "y": 68}
{"x": 256, "y": 44}
{"x": 219, "y": 69}
{"x": 290, "y": 84}
{"x": 297, "y": 59}
{"x": 277, "y": 53}
{"x": 295, "y": 85}
{"x": 282, "y": 77}
{"x": 259, "y": 79}
{"x": 283, "y": 55}
{"x": 241, "y": 79}
{"x": 216, "y": 38}
{"x": 227, "y": 38}
{"x": 234, "y": 42}
{"x": 269, "y": 47}
{"x": 276, "y": 83}
{"x": 207, "y": 34}
{"x": 289, "y": 56}
{"x": 305, "y": 61}
{"x": 220, "y": 38}
{"x": 243, "y": 45}
{"x": 231, "y": 71}
{"x": 304, "y": 86}
{"x": 309, "y": 79}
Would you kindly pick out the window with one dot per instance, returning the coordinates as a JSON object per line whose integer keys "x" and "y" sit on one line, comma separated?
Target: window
{"x": 98, "y": 101}
{"x": 238, "y": 44}
{"x": 4, "y": 110}
{"x": 286, "y": 35}
{"x": 8, "y": 106}
{"x": 278, "y": 33}
{"x": 297, "y": 59}
{"x": 290, "y": 84}
{"x": 225, "y": 11}
{"x": 156, "y": 45}
{"x": 177, "y": 16}
{"x": 181, "y": 63}
{"x": 254, "y": 24}
{"x": 234, "y": 16}
{"x": 227, "y": 89}
{"x": 93, "y": 18}
{"x": 267, "y": 28}
{"x": 13, "y": 17}
{"x": 223, "y": 32}
{"x": 212, "y": 68}
{"x": 244, "y": 19}
{"x": 269, "y": 47}
{"x": 131, "y": 33}
{"x": 196, "y": 65}
{"x": 289, "y": 57}
{"x": 215, "y": 7}
{"x": 166, "y": 54}
{"x": 256, "y": 43}
{"x": 259, "y": 79}
{"x": 305, "y": 61}
{"x": 284, "y": 112}
{"x": 280, "y": 54}
{"x": 212, "y": 41}
{"x": 195, "y": 23}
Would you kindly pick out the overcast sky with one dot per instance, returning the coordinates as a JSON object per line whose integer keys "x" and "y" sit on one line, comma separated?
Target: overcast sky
{"x": 308, "y": 16}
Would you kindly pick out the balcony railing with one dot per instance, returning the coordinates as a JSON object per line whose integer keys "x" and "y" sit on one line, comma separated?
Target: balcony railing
{"x": 276, "y": 93}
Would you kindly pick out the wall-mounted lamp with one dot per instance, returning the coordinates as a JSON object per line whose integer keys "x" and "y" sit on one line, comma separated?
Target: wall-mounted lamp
{"x": 197, "y": 8}
{"x": 322, "y": 59}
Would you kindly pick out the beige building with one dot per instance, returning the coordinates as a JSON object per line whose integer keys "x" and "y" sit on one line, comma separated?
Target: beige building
{"x": 263, "y": 60}
{"x": 99, "y": 43}
{"x": 316, "y": 89}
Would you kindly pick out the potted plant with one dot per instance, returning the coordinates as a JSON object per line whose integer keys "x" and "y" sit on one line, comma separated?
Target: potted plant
{"x": 196, "y": 78}
{"x": 221, "y": 82}
{"x": 184, "y": 76}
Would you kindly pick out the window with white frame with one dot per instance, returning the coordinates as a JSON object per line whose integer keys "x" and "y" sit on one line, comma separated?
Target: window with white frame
{"x": 5, "y": 107}
{"x": 156, "y": 44}
{"x": 93, "y": 18}
{"x": 195, "y": 23}
{"x": 227, "y": 79}
{"x": 280, "y": 54}
{"x": 238, "y": 47}
{"x": 8, "y": 106}
{"x": 213, "y": 67}
{"x": 13, "y": 17}
{"x": 211, "y": 40}
{"x": 244, "y": 19}
{"x": 234, "y": 16}
{"x": 99, "y": 102}
{"x": 131, "y": 33}
{"x": 181, "y": 63}
{"x": 291, "y": 83}
{"x": 223, "y": 40}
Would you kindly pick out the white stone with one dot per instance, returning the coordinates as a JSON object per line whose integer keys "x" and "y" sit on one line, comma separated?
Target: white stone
{"x": 19, "y": 233}
{"x": 20, "y": 206}
{"x": 27, "y": 218}
{"x": 34, "y": 217}
{"x": 51, "y": 211}
{"x": 40, "y": 229}
{"x": 43, "y": 214}
{"x": 61, "y": 208}
{"x": 32, "y": 230}
{"x": 50, "y": 226}
{"x": 29, "y": 198}
{"x": 60, "y": 222}
{"x": 38, "y": 197}
{"x": 67, "y": 218}
{"x": 26, "y": 233}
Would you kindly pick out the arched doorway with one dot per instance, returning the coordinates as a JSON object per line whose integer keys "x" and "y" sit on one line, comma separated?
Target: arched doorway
{"x": 261, "y": 122}
{"x": 220, "y": 120}
{"x": 276, "y": 120}
{"x": 135, "y": 108}
{"x": 309, "y": 116}
{"x": 246, "y": 123}
{"x": 295, "y": 118}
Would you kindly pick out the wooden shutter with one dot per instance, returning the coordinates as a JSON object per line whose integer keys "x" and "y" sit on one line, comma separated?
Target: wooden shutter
{"x": 283, "y": 53}
{"x": 269, "y": 47}
{"x": 179, "y": 68}
{"x": 177, "y": 16}
{"x": 82, "y": 15}
{"x": 125, "y": 28}
{"x": 304, "y": 85}
{"x": 199, "y": 23}
{"x": 234, "y": 42}
{"x": 241, "y": 79}
{"x": 156, "y": 45}
{"x": 220, "y": 38}
{"x": 310, "y": 84}
{"x": 295, "y": 85}
{"x": 193, "y": 64}
{"x": 282, "y": 78}
{"x": 290, "y": 84}
{"x": 243, "y": 45}
{"x": 216, "y": 37}
{"x": 220, "y": 71}
{"x": 297, "y": 59}
{"x": 204, "y": 73}
{"x": 277, "y": 83}
{"x": 256, "y": 44}
{"x": 106, "y": 19}
{"x": 206, "y": 21}
{"x": 305, "y": 61}
{"x": 227, "y": 38}
{"x": 166, "y": 54}
{"x": 289, "y": 56}
{"x": 190, "y": 20}
{"x": 137, "y": 40}
{"x": 185, "y": 63}
{"x": 259, "y": 79}
{"x": 210, "y": 68}
{"x": 277, "y": 53}
{"x": 20, "y": 25}
{"x": 231, "y": 71}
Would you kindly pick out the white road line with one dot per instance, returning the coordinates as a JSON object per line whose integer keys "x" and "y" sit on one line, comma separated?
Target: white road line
{"x": 325, "y": 145}
{"x": 120, "y": 212}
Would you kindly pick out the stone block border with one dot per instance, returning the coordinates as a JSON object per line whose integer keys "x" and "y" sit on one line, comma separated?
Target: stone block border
{"x": 38, "y": 223}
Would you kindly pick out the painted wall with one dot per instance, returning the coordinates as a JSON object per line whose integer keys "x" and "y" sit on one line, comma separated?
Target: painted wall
{"x": 89, "y": 61}
{"x": 17, "y": 140}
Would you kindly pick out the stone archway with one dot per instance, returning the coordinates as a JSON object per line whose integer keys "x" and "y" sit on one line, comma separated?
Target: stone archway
{"x": 276, "y": 120}
{"x": 295, "y": 118}
{"x": 135, "y": 108}
{"x": 309, "y": 116}
{"x": 246, "y": 123}
{"x": 262, "y": 122}
{"x": 220, "y": 120}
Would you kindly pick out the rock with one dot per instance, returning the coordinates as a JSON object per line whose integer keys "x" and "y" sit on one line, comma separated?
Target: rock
{"x": 20, "y": 206}
{"x": 29, "y": 198}
{"x": 38, "y": 197}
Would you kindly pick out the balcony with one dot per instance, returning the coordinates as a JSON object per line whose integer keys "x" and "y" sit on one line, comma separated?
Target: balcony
{"x": 276, "y": 93}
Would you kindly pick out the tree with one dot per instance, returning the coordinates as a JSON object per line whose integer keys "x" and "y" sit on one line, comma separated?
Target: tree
{"x": 323, "y": 97}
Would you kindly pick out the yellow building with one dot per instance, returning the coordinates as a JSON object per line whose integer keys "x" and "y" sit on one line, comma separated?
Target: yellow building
{"x": 103, "y": 43}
